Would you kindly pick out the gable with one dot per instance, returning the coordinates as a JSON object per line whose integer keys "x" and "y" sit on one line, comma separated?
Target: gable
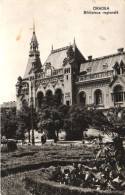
{"x": 117, "y": 80}
{"x": 58, "y": 84}
{"x": 40, "y": 87}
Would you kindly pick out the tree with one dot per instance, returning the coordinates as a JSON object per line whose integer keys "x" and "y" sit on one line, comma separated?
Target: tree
{"x": 80, "y": 118}
{"x": 45, "y": 121}
{"x": 51, "y": 116}
{"x": 8, "y": 122}
{"x": 98, "y": 119}
{"x": 24, "y": 121}
{"x": 116, "y": 116}
{"x": 77, "y": 122}
{"x": 50, "y": 119}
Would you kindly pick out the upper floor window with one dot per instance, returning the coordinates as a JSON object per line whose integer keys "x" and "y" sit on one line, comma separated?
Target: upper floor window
{"x": 119, "y": 68}
{"x": 89, "y": 69}
{"x": 105, "y": 66}
{"x": 67, "y": 70}
{"x": 48, "y": 72}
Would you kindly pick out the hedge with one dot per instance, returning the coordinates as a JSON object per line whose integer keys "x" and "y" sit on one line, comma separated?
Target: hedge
{"x": 34, "y": 166}
{"x": 43, "y": 187}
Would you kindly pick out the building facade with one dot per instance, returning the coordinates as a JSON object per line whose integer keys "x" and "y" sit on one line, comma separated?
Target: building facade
{"x": 76, "y": 80}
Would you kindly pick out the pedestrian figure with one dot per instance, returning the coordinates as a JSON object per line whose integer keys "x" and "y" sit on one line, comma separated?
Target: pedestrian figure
{"x": 43, "y": 138}
{"x": 55, "y": 139}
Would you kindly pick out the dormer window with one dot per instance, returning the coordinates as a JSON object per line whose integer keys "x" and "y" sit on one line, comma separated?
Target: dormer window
{"x": 89, "y": 69}
{"x": 119, "y": 68}
{"x": 122, "y": 65}
{"x": 48, "y": 72}
{"x": 105, "y": 66}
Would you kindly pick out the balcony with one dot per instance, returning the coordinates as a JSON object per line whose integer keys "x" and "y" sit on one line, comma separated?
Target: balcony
{"x": 96, "y": 76}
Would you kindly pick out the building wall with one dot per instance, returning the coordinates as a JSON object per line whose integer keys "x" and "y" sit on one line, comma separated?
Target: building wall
{"x": 66, "y": 69}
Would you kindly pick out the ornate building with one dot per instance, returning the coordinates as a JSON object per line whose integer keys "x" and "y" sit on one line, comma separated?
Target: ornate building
{"x": 76, "y": 80}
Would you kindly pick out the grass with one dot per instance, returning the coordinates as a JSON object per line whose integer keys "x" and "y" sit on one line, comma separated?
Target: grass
{"x": 34, "y": 154}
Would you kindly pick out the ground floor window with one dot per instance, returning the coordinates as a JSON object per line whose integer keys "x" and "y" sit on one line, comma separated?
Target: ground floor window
{"x": 98, "y": 97}
{"x": 82, "y": 98}
{"x": 118, "y": 94}
{"x": 59, "y": 95}
{"x": 67, "y": 102}
{"x": 119, "y": 97}
{"x": 39, "y": 99}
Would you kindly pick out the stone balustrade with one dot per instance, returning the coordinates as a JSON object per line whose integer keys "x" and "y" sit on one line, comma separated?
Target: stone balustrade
{"x": 94, "y": 76}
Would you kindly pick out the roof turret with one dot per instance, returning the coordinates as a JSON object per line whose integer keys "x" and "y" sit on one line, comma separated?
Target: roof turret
{"x": 34, "y": 43}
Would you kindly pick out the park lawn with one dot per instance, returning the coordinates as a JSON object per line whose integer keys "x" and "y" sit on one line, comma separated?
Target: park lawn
{"x": 26, "y": 155}
{"x": 13, "y": 184}
{"x": 31, "y": 168}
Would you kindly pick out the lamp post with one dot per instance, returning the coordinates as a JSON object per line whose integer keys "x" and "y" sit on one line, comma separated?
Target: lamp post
{"x": 32, "y": 114}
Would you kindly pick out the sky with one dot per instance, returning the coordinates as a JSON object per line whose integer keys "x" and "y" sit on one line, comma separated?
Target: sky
{"x": 57, "y": 22}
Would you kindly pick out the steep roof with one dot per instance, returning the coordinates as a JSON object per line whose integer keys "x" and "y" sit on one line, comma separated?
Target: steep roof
{"x": 33, "y": 56}
{"x": 29, "y": 66}
{"x": 34, "y": 40}
{"x": 58, "y": 55}
{"x": 103, "y": 63}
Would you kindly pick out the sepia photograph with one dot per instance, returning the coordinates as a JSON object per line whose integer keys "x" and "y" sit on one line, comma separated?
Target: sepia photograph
{"x": 62, "y": 101}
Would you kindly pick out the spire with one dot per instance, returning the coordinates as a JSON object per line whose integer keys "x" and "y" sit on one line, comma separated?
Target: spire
{"x": 34, "y": 42}
{"x": 74, "y": 41}
{"x": 33, "y": 26}
{"x": 52, "y": 48}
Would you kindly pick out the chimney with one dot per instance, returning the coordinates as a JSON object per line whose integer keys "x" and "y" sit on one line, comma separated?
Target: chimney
{"x": 120, "y": 50}
{"x": 90, "y": 58}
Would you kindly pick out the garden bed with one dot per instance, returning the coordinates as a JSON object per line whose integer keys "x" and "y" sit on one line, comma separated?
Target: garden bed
{"x": 41, "y": 181}
{"x": 73, "y": 179}
{"x": 39, "y": 168}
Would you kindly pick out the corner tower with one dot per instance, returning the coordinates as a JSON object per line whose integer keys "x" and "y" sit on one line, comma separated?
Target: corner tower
{"x": 25, "y": 87}
{"x": 34, "y": 62}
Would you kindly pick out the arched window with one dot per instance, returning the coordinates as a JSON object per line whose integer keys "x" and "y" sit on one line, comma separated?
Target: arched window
{"x": 48, "y": 72}
{"x": 98, "y": 97}
{"x": 49, "y": 93}
{"x": 24, "y": 103}
{"x": 118, "y": 70}
{"x": 58, "y": 94}
{"x": 82, "y": 98}
{"x": 122, "y": 65}
{"x": 39, "y": 99}
{"x": 118, "y": 94}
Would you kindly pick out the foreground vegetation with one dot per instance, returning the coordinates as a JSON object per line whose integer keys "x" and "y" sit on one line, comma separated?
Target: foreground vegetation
{"x": 57, "y": 169}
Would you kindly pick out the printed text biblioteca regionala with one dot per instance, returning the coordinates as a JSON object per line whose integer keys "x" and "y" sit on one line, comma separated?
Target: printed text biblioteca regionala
{"x": 104, "y": 12}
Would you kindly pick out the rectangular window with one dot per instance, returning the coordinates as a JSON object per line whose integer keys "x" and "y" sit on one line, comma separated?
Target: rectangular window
{"x": 119, "y": 97}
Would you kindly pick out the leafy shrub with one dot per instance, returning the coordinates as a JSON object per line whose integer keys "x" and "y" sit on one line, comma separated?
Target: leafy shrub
{"x": 12, "y": 146}
{"x": 4, "y": 148}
